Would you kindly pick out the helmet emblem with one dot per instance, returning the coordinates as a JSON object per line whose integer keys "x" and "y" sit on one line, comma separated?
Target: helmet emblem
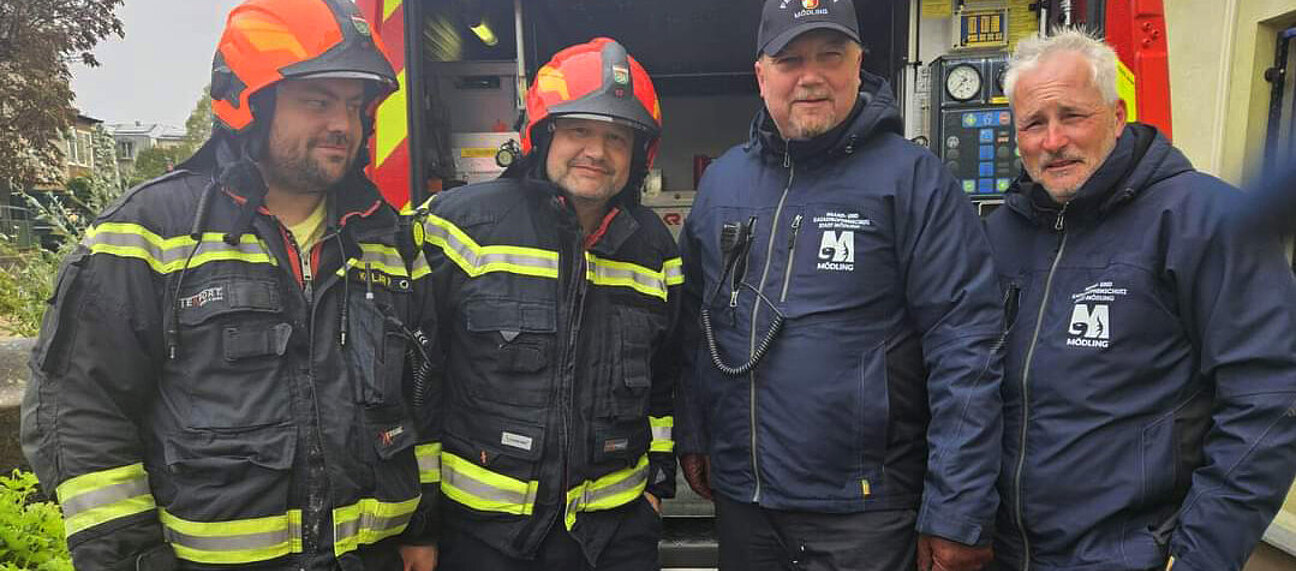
{"x": 621, "y": 75}
{"x": 809, "y": 4}
{"x": 361, "y": 26}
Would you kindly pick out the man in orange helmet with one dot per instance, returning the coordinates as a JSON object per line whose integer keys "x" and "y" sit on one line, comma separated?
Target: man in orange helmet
{"x": 556, "y": 301}
{"x": 220, "y": 379}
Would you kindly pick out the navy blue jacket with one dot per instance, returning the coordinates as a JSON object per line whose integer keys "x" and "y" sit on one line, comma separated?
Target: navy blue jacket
{"x": 1151, "y": 370}
{"x": 881, "y": 391}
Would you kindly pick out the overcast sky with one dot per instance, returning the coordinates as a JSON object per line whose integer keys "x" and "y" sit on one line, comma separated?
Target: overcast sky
{"x": 156, "y": 74}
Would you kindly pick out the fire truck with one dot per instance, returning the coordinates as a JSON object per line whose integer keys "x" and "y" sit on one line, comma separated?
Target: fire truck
{"x": 464, "y": 66}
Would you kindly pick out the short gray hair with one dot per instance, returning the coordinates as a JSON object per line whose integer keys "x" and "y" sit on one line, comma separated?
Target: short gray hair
{"x": 1032, "y": 50}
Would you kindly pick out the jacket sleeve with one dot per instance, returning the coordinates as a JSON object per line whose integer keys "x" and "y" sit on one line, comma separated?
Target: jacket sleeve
{"x": 424, "y": 377}
{"x": 952, "y": 297}
{"x": 1237, "y": 299}
{"x": 92, "y": 371}
{"x": 661, "y": 406}
{"x": 691, "y": 435}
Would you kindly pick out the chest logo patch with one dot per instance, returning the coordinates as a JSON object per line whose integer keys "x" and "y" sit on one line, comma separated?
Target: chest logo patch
{"x": 204, "y": 297}
{"x": 1090, "y": 324}
{"x": 837, "y": 239}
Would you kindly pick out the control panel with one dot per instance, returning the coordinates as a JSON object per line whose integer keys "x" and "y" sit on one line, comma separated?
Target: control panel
{"x": 972, "y": 130}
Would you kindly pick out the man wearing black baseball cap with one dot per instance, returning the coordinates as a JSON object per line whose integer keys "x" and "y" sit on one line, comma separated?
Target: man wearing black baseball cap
{"x": 840, "y": 401}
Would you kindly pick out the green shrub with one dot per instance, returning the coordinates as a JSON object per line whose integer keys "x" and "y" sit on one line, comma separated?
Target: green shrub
{"x": 26, "y": 281}
{"x": 31, "y": 531}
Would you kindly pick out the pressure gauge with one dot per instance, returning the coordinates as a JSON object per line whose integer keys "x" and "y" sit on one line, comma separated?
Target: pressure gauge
{"x": 963, "y": 82}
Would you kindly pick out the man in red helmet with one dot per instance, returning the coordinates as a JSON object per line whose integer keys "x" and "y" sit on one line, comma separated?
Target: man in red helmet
{"x": 220, "y": 379}
{"x": 556, "y": 301}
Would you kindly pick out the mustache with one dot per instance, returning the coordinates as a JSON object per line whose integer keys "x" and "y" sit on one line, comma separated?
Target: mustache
{"x": 333, "y": 140}
{"x": 1049, "y": 158}
{"x": 811, "y": 94}
{"x": 599, "y": 165}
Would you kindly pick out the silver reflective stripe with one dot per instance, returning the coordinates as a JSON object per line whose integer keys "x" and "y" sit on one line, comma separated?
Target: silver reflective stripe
{"x": 429, "y": 463}
{"x": 370, "y": 521}
{"x": 172, "y": 255}
{"x": 382, "y": 257}
{"x": 249, "y": 541}
{"x": 636, "y": 479}
{"x": 603, "y": 272}
{"x": 476, "y": 260}
{"x": 104, "y": 496}
{"x": 512, "y": 259}
{"x": 661, "y": 433}
{"x": 453, "y": 478}
{"x": 674, "y": 273}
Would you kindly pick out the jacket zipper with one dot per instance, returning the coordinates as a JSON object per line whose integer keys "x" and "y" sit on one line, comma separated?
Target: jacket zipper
{"x": 787, "y": 272}
{"x": 566, "y": 390}
{"x": 756, "y": 304}
{"x": 1058, "y": 226}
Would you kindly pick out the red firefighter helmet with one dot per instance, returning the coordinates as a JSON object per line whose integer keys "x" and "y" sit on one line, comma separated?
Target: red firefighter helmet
{"x": 595, "y": 80}
{"x": 267, "y": 41}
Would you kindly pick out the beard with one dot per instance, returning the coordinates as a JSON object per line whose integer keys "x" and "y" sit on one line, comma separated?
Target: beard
{"x": 811, "y": 125}
{"x": 298, "y": 172}
{"x": 1067, "y": 192}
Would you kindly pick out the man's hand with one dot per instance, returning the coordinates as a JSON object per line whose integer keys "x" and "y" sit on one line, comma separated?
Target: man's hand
{"x": 697, "y": 472}
{"x": 419, "y": 557}
{"x": 654, "y": 502}
{"x": 938, "y": 554}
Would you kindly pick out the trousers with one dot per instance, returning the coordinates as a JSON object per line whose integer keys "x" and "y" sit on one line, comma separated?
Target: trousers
{"x": 753, "y": 538}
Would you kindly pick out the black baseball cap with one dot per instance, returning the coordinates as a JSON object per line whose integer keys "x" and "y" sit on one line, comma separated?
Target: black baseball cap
{"x": 783, "y": 20}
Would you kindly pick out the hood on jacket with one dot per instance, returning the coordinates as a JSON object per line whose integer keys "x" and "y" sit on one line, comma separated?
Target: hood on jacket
{"x": 875, "y": 112}
{"x": 1142, "y": 157}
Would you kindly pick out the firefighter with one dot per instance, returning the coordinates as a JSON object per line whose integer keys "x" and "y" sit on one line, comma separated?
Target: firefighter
{"x": 219, "y": 380}
{"x": 842, "y": 395}
{"x": 1151, "y": 368}
{"x": 556, "y": 297}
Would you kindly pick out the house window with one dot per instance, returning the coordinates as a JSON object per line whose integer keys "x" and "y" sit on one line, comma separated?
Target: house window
{"x": 126, "y": 149}
{"x": 87, "y": 148}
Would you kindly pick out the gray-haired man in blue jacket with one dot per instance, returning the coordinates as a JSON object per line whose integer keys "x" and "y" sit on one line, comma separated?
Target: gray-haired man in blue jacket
{"x": 1150, "y": 392}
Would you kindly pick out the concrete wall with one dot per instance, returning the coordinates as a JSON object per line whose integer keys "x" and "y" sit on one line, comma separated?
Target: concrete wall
{"x": 13, "y": 377}
{"x": 1219, "y": 50}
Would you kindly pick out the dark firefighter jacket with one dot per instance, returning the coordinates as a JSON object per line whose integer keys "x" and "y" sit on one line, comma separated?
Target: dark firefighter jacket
{"x": 882, "y": 389}
{"x": 265, "y": 439}
{"x": 1151, "y": 370}
{"x": 560, "y": 362}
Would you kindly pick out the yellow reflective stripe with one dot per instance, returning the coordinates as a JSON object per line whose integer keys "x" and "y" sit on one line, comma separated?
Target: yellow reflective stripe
{"x": 661, "y": 433}
{"x": 369, "y": 521}
{"x": 481, "y": 489}
{"x": 625, "y": 274}
{"x": 233, "y": 541}
{"x": 429, "y": 462}
{"x": 613, "y": 490}
{"x": 383, "y": 258}
{"x": 674, "y": 270}
{"x": 420, "y": 268}
{"x": 168, "y": 255}
{"x": 476, "y": 260}
{"x": 98, "y": 497}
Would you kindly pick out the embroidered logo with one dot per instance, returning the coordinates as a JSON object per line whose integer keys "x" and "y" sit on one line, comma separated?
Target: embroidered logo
{"x": 1090, "y": 324}
{"x": 204, "y": 297}
{"x": 837, "y": 239}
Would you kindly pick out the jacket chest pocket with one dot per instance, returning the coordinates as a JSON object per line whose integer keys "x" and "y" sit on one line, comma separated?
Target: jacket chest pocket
{"x": 631, "y": 382}
{"x": 229, "y": 367}
{"x": 377, "y": 345}
{"x": 510, "y": 349}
